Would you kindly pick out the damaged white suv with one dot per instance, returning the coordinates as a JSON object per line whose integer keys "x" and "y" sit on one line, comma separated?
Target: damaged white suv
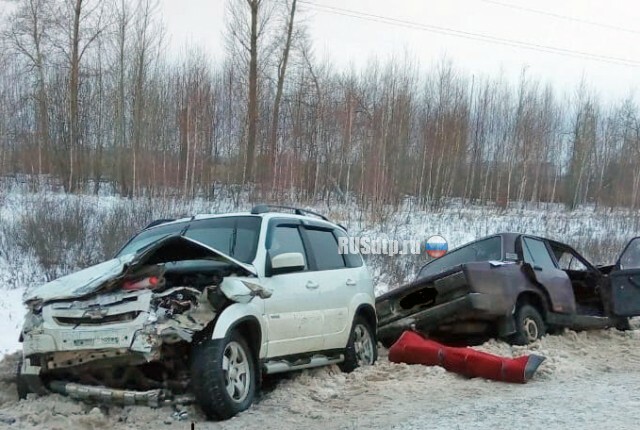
{"x": 199, "y": 309}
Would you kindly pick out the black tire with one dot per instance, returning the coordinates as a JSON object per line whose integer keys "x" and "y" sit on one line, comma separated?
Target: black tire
{"x": 623, "y": 324}
{"x": 388, "y": 341}
{"x": 362, "y": 349}
{"x": 210, "y": 380}
{"x": 530, "y": 326}
{"x": 21, "y": 385}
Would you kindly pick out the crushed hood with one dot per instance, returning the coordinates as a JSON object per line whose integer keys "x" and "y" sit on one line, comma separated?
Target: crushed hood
{"x": 92, "y": 279}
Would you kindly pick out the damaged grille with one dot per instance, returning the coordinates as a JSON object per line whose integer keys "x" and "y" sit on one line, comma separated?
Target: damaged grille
{"x": 103, "y": 310}
{"x": 97, "y": 318}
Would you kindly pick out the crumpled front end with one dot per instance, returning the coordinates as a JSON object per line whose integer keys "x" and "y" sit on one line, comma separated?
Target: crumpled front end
{"x": 129, "y": 340}
{"x": 124, "y": 340}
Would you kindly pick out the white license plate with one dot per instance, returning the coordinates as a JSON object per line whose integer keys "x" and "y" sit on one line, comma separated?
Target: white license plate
{"x": 91, "y": 339}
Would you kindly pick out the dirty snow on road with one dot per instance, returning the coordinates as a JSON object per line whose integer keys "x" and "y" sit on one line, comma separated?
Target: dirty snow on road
{"x": 589, "y": 380}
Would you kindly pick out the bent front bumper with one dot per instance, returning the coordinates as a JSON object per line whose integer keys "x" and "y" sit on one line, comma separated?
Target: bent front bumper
{"x": 111, "y": 396}
{"x": 110, "y": 321}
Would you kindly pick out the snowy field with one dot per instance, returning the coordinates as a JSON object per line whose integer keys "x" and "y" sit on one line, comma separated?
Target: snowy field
{"x": 589, "y": 380}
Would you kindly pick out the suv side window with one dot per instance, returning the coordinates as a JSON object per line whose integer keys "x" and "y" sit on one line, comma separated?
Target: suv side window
{"x": 535, "y": 252}
{"x": 287, "y": 239}
{"x": 352, "y": 260}
{"x": 324, "y": 248}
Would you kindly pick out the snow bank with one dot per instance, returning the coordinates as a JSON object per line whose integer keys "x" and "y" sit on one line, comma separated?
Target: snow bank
{"x": 11, "y": 316}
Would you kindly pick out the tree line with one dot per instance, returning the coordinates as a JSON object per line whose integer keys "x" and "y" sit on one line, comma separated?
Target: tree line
{"x": 91, "y": 96}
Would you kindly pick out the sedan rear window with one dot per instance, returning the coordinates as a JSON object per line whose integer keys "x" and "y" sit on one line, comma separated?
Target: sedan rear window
{"x": 482, "y": 250}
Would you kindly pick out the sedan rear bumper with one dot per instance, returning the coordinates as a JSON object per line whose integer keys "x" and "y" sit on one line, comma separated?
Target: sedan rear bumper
{"x": 467, "y": 306}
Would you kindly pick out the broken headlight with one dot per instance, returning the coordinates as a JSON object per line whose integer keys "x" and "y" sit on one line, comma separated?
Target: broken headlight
{"x": 31, "y": 322}
{"x": 34, "y": 306}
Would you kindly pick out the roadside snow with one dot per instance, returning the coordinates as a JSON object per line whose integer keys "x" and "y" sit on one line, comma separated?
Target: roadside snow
{"x": 11, "y": 317}
{"x": 589, "y": 380}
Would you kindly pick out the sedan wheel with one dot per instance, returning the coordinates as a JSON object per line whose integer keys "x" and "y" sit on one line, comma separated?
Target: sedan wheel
{"x": 530, "y": 329}
{"x": 529, "y": 325}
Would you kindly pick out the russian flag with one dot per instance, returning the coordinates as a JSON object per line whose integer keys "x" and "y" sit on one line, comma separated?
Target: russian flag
{"x": 437, "y": 246}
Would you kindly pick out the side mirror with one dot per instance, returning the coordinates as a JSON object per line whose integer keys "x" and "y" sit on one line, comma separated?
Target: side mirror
{"x": 287, "y": 263}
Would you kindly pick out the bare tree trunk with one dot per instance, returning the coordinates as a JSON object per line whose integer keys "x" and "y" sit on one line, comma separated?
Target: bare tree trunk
{"x": 282, "y": 68}
{"x": 74, "y": 85}
{"x": 252, "y": 108}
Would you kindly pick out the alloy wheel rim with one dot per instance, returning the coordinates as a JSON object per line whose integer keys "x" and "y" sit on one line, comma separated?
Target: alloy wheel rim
{"x": 235, "y": 366}
{"x": 530, "y": 329}
{"x": 363, "y": 345}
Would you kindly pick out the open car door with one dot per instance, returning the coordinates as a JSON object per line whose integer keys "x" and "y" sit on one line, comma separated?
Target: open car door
{"x": 625, "y": 281}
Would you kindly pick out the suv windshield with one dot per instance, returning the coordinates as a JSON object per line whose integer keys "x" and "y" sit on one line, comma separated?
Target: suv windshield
{"x": 234, "y": 236}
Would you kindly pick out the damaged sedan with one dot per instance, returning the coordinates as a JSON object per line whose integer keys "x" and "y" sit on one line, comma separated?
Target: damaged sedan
{"x": 512, "y": 286}
{"x": 223, "y": 297}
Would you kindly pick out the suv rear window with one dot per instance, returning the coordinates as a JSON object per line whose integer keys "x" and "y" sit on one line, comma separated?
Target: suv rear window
{"x": 324, "y": 247}
{"x": 352, "y": 259}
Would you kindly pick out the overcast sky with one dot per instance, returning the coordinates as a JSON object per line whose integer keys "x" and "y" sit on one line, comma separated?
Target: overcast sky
{"x": 351, "y": 41}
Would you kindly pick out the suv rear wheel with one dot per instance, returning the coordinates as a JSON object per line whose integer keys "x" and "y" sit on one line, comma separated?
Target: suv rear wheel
{"x": 361, "y": 349}
{"x": 224, "y": 376}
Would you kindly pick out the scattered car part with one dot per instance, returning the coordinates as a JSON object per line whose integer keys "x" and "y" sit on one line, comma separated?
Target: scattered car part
{"x": 412, "y": 348}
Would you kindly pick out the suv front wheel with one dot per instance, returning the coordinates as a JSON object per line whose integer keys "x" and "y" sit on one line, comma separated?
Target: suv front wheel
{"x": 362, "y": 349}
{"x": 223, "y": 376}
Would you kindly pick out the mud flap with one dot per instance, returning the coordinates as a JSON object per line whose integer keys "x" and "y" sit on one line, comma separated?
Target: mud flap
{"x": 29, "y": 382}
{"x": 506, "y": 325}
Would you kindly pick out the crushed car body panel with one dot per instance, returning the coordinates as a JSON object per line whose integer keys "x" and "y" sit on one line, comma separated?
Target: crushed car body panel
{"x": 92, "y": 279}
{"x": 107, "y": 324}
{"x": 476, "y": 288}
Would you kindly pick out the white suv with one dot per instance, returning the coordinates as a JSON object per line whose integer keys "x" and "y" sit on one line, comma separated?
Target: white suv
{"x": 198, "y": 309}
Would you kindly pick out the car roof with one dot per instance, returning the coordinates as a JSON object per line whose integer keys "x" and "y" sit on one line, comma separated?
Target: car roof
{"x": 266, "y": 215}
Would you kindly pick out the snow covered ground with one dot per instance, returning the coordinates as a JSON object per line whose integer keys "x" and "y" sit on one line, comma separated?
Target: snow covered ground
{"x": 11, "y": 318}
{"x": 589, "y": 380}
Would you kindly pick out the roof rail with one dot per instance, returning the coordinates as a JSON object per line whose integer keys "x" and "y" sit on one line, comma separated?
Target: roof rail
{"x": 158, "y": 222}
{"x": 260, "y": 209}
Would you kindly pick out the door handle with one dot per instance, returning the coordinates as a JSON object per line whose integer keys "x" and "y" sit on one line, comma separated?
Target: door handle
{"x": 351, "y": 283}
{"x": 312, "y": 285}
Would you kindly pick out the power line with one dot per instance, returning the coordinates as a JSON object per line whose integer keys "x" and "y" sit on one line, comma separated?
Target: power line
{"x": 559, "y": 16}
{"x": 470, "y": 35}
